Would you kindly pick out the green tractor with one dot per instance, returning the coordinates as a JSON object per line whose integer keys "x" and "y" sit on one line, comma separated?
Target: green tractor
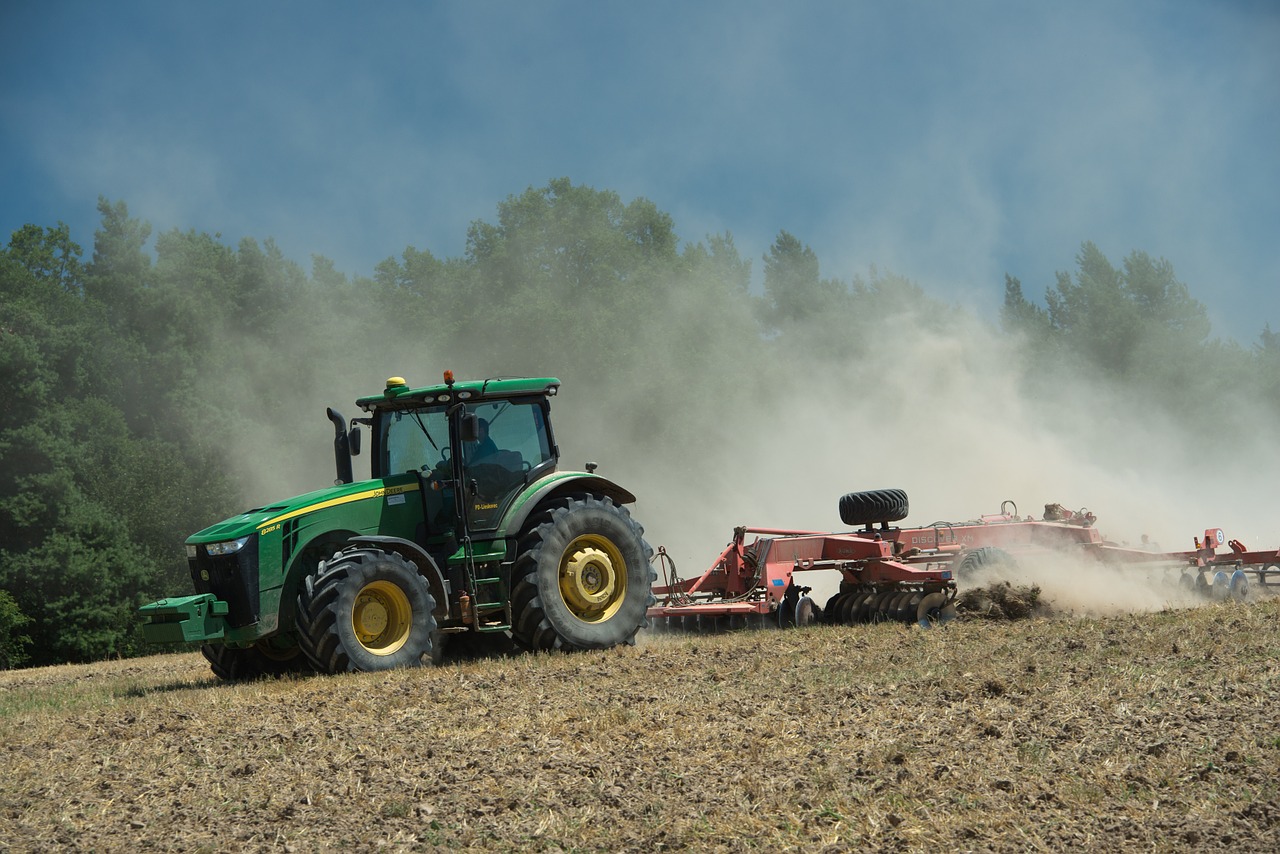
{"x": 467, "y": 528}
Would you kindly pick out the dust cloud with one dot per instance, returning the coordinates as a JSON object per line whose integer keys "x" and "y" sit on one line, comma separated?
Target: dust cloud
{"x": 716, "y": 426}
{"x": 945, "y": 416}
{"x": 1084, "y": 587}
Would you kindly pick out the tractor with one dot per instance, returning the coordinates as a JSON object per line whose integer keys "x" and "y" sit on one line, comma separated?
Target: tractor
{"x": 466, "y": 528}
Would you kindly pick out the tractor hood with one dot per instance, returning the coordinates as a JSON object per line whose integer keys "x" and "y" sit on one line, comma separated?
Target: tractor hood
{"x": 260, "y": 518}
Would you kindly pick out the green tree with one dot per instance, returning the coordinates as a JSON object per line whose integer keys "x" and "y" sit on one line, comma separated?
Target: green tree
{"x": 794, "y": 289}
{"x": 1020, "y": 315}
{"x": 99, "y": 483}
{"x": 13, "y": 642}
{"x": 1123, "y": 321}
{"x": 569, "y": 271}
{"x": 120, "y": 269}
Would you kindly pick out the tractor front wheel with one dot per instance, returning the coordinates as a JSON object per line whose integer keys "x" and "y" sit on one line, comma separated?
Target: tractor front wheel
{"x": 365, "y": 609}
{"x": 235, "y": 664}
{"x": 582, "y": 578}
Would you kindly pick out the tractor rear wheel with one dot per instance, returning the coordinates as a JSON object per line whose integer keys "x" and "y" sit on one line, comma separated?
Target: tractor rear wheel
{"x": 582, "y": 578}
{"x": 876, "y": 505}
{"x": 366, "y": 609}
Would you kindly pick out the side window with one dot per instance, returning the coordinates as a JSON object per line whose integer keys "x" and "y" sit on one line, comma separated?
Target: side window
{"x": 414, "y": 440}
{"x": 517, "y": 433}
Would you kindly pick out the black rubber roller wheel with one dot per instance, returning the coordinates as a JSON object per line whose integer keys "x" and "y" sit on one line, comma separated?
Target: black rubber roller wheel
{"x": 984, "y": 558}
{"x": 877, "y": 505}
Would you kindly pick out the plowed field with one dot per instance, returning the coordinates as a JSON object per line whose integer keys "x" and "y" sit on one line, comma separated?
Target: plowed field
{"x": 1135, "y": 732}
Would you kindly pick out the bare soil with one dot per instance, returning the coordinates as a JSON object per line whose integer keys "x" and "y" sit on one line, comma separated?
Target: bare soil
{"x": 1159, "y": 731}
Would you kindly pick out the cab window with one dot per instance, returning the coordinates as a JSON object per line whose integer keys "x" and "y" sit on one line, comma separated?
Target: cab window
{"x": 414, "y": 440}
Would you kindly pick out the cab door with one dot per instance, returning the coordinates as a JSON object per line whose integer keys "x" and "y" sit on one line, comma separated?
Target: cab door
{"x": 518, "y": 451}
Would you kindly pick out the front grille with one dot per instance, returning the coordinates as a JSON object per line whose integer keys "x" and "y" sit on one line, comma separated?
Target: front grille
{"x": 231, "y": 578}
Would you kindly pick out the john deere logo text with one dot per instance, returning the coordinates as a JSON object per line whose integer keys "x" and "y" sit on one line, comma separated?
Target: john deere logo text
{"x": 486, "y": 506}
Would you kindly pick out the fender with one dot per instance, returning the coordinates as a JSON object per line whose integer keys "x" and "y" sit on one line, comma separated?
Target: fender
{"x": 409, "y": 550}
{"x": 559, "y": 484}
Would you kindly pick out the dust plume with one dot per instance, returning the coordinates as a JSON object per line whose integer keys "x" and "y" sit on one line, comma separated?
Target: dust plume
{"x": 1080, "y": 586}
{"x": 712, "y": 425}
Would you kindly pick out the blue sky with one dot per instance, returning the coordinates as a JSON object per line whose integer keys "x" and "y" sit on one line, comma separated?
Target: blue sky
{"x": 951, "y": 142}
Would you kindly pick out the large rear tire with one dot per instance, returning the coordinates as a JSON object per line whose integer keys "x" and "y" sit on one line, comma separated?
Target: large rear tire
{"x": 876, "y": 505}
{"x": 582, "y": 578}
{"x": 365, "y": 609}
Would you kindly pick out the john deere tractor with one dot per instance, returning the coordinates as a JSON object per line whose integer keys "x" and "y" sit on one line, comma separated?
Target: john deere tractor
{"x": 467, "y": 527}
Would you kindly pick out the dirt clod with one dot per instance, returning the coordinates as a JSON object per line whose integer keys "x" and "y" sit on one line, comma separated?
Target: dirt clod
{"x": 1003, "y": 601}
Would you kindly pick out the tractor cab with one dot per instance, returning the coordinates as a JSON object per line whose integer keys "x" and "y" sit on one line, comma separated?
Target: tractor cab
{"x": 473, "y": 461}
{"x": 473, "y": 447}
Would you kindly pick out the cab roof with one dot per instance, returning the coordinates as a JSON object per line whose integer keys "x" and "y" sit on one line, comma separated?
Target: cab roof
{"x": 398, "y": 393}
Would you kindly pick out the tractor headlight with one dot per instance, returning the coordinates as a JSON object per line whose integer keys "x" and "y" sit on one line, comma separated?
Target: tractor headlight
{"x": 191, "y": 551}
{"x": 229, "y": 547}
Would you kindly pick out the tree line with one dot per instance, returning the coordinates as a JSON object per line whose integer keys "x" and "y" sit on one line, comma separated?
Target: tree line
{"x": 130, "y": 376}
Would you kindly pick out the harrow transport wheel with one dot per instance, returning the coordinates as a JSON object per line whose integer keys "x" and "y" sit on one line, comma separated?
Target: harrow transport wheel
{"x": 984, "y": 558}
{"x": 582, "y": 577}
{"x": 935, "y": 610}
{"x": 262, "y": 659}
{"x": 366, "y": 609}
{"x": 877, "y": 505}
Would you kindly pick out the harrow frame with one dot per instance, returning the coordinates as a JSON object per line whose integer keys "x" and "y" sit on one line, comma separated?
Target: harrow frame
{"x": 909, "y": 574}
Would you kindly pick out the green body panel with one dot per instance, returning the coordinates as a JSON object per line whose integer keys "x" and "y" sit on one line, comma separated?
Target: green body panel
{"x": 252, "y": 521}
{"x": 387, "y": 507}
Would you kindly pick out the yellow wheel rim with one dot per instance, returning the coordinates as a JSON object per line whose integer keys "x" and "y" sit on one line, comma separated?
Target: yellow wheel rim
{"x": 593, "y": 578}
{"x": 381, "y": 617}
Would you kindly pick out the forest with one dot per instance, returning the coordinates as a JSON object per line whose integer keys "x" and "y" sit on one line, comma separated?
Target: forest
{"x": 159, "y": 383}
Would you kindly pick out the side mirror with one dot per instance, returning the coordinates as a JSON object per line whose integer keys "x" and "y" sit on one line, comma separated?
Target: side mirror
{"x": 353, "y": 441}
{"x": 470, "y": 427}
